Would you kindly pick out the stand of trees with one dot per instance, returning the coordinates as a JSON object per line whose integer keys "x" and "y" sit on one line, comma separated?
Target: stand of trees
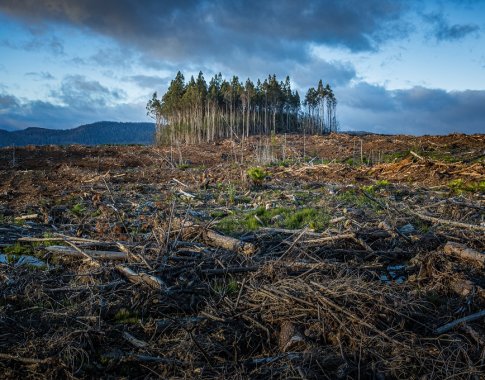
{"x": 194, "y": 112}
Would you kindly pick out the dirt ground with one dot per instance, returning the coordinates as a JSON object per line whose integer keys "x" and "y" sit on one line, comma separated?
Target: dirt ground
{"x": 288, "y": 257}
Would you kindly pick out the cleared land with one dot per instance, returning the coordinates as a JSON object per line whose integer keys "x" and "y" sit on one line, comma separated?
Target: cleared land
{"x": 362, "y": 259}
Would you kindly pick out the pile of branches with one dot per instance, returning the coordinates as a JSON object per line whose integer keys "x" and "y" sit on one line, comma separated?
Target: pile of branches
{"x": 200, "y": 304}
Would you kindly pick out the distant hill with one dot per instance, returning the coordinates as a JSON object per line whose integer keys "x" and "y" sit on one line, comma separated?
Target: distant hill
{"x": 103, "y": 132}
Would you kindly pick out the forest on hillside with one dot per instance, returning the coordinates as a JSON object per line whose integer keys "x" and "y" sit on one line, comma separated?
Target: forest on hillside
{"x": 197, "y": 112}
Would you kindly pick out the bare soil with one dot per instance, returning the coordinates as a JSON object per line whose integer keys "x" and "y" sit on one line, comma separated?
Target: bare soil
{"x": 347, "y": 260}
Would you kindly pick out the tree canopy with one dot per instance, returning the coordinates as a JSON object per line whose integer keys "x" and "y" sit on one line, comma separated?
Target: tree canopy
{"x": 197, "y": 111}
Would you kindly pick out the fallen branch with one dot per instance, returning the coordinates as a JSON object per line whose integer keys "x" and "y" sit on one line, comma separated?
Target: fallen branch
{"x": 215, "y": 239}
{"x": 447, "y": 222}
{"x": 329, "y": 238}
{"x": 98, "y": 255}
{"x": 232, "y": 244}
{"x": 26, "y": 217}
{"x": 134, "y": 341}
{"x": 451, "y": 325}
{"x": 218, "y": 271}
{"x": 145, "y": 278}
{"x": 463, "y": 252}
{"x": 290, "y": 232}
{"x": 416, "y": 155}
{"x": 185, "y": 194}
{"x": 24, "y": 360}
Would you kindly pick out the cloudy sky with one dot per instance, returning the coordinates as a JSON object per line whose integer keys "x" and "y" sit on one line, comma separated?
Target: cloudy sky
{"x": 397, "y": 66}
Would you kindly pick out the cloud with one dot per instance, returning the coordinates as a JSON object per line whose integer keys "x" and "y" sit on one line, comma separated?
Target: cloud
{"x": 112, "y": 57}
{"x": 176, "y": 30}
{"x": 53, "y": 45}
{"x": 444, "y": 31}
{"x": 362, "y": 106}
{"x": 417, "y": 110}
{"x": 8, "y": 103}
{"x": 148, "y": 81}
{"x": 43, "y": 75}
{"x": 334, "y": 72}
{"x": 15, "y": 114}
{"x": 76, "y": 91}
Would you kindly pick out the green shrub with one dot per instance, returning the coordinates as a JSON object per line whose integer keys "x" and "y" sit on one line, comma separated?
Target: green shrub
{"x": 257, "y": 175}
{"x": 459, "y": 186}
{"x": 78, "y": 209}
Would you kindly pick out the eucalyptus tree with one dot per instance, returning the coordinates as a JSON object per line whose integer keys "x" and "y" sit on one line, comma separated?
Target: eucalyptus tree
{"x": 199, "y": 111}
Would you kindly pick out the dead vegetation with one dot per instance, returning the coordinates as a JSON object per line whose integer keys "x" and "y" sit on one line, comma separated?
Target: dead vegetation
{"x": 128, "y": 262}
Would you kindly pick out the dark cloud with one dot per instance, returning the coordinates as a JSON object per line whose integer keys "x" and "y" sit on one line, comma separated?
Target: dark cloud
{"x": 444, "y": 31}
{"x": 367, "y": 97}
{"x": 176, "y": 30}
{"x": 76, "y": 91}
{"x": 417, "y": 110}
{"x": 7, "y": 103}
{"x": 43, "y": 75}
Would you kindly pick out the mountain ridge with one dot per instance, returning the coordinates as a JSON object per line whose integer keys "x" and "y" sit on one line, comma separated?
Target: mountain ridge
{"x": 102, "y": 132}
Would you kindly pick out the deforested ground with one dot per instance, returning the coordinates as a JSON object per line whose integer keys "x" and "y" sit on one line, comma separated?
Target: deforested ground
{"x": 292, "y": 257}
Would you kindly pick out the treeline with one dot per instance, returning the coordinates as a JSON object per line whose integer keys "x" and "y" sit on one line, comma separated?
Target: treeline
{"x": 194, "y": 112}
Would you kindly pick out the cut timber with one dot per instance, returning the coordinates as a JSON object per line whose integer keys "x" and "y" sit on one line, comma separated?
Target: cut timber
{"x": 468, "y": 318}
{"x": 463, "y": 252}
{"x": 232, "y": 244}
{"x": 26, "y": 217}
{"x": 145, "y": 278}
{"x": 325, "y": 239}
{"x": 99, "y": 255}
{"x": 416, "y": 155}
{"x": 215, "y": 239}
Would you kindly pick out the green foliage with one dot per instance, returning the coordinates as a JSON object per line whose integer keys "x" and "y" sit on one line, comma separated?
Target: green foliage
{"x": 231, "y": 193}
{"x": 18, "y": 249}
{"x": 291, "y": 218}
{"x": 19, "y": 222}
{"x": 382, "y": 183}
{"x": 218, "y": 213}
{"x": 184, "y": 166}
{"x": 195, "y": 111}
{"x": 257, "y": 175}
{"x": 125, "y": 316}
{"x": 355, "y": 198}
{"x": 223, "y": 287}
{"x": 396, "y": 156}
{"x": 459, "y": 186}
{"x": 78, "y": 209}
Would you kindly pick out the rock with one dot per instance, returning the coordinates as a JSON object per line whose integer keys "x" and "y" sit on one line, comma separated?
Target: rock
{"x": 407, "y": 229}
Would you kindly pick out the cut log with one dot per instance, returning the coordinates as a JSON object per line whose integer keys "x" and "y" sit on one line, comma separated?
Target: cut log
{"x": 98, "y": 255}
{"x": 463, "y": 252}
{"x": 138, "y": 278}
{"x": 215, "y": 239}
{"x": 26, "y": 217}
{"x": 134, "y": 341}
{"x": 416, "y": 155}
{"x": 232, "y": 244}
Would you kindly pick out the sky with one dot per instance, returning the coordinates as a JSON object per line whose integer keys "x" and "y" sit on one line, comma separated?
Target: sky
{"x": 396, "y": 66}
